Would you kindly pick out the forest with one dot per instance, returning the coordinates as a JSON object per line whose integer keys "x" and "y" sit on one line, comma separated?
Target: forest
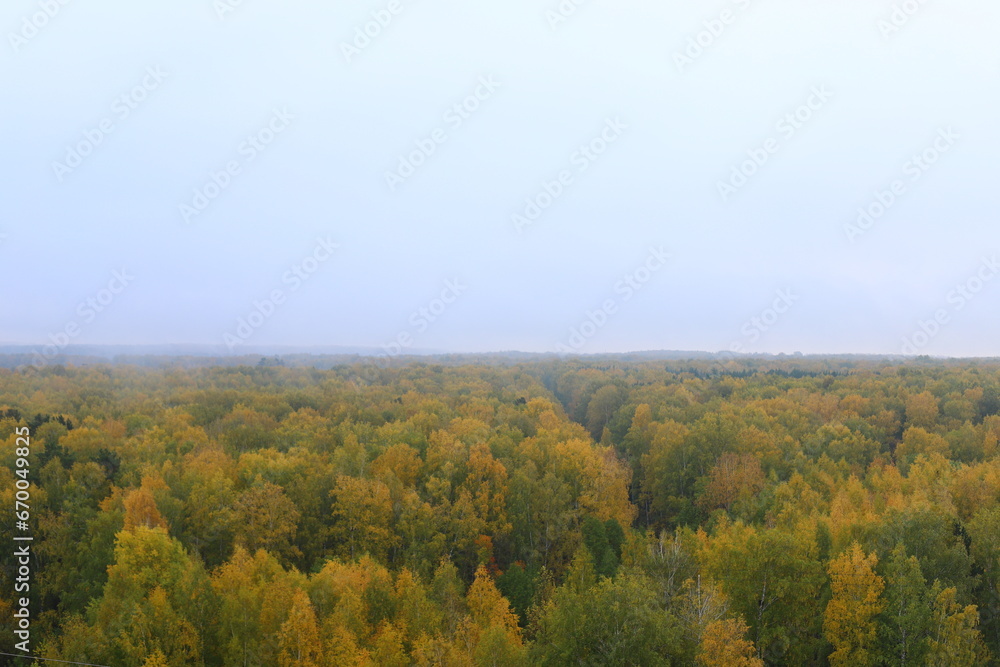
{"x": 505, "y": 512}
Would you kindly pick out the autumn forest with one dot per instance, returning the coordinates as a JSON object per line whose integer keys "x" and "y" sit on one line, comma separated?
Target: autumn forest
{"x": 504, "y": 512}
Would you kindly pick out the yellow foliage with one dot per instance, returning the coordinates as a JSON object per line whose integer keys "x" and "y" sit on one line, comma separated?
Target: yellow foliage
{"x": 851, "y": 509}
{"x": 488, "y": 608}
{"x": 364, "y": 516}
{"x": 400, "y": 460}
{"x": 600, "y": 479}
{"x": 849, "y": 618}
{"x": 922, "y": 410}
{"x": 141, "y": 510}
{"x": 724, "y": 644}
{"x": 955, "y": 640}
{"x": 299, "y": 636}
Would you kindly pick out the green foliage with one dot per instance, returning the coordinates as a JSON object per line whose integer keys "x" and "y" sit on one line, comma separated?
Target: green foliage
{"x": 906, "y": 619}
{"x": 510, "y": 512}
{"x": 603, "y": 554}
{"x": 519, "y": 586}
{"x": 614, "y": 622}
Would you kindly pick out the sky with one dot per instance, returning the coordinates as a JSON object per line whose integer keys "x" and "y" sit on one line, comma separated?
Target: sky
{"x": 581, "y": 177}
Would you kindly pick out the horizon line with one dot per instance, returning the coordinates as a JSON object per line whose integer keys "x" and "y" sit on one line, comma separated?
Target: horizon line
{"x": 375, "y": 352}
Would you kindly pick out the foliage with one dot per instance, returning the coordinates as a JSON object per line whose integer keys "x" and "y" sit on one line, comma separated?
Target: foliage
{"x": 614, "y": 510}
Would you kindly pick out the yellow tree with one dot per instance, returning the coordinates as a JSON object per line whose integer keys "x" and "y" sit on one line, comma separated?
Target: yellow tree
{"x": 488, "y": 609}
{"x": 256, "y": 596}
{"x": 922, "y": 410}
{"x": 917, "y": 441}
{"x": 364, "y": 513}
{"x": 700, "y": 604}
{"x": 496, "y": 649}
{"x": 239, "y": 604}
{"x": 156, "y": 659}
{"x": 79, "y": 642}
{"x": 299, "y": 636}
{"x": 598, "y": 479}
{"x": 141, "y": 510}
{"x": 206, "y": 484}
{"x": 724, "y": 644}
{"x": 849, "y": 618}
{"x": 266, "y": 518}
{"x": 735, "y": 477}
{"x": 342, "y": 647}
{"x": 140, "y": 611}
{"x": 702, "y": 611}
{"x": 486, "y": 484}
{"x": 438, "y": 652}
{"x": 387, "y": 647}
{"x": 955, "y": 640}
{"x": 415, "y": 610}
{"x": 354, "y": 594}
{"x": 399, "y": 460}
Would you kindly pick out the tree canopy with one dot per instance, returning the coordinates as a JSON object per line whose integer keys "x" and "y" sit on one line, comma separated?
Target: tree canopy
{"x": 610, "y": 511}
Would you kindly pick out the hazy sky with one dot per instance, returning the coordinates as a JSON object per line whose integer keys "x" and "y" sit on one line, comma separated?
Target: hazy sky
{"x": 170, "y": 168}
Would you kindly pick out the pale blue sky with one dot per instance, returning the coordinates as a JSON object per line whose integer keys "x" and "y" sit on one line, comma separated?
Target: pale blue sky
{"x": 681, "y": 129}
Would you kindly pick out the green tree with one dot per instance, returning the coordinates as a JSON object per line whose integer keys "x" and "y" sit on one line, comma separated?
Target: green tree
{"x": 774, "y": 580}
{"x": 595, "y": 538}
{"x": 617, "y": 621}
{"x": 905, "y": 621}
{"x": 518, "y": 585}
